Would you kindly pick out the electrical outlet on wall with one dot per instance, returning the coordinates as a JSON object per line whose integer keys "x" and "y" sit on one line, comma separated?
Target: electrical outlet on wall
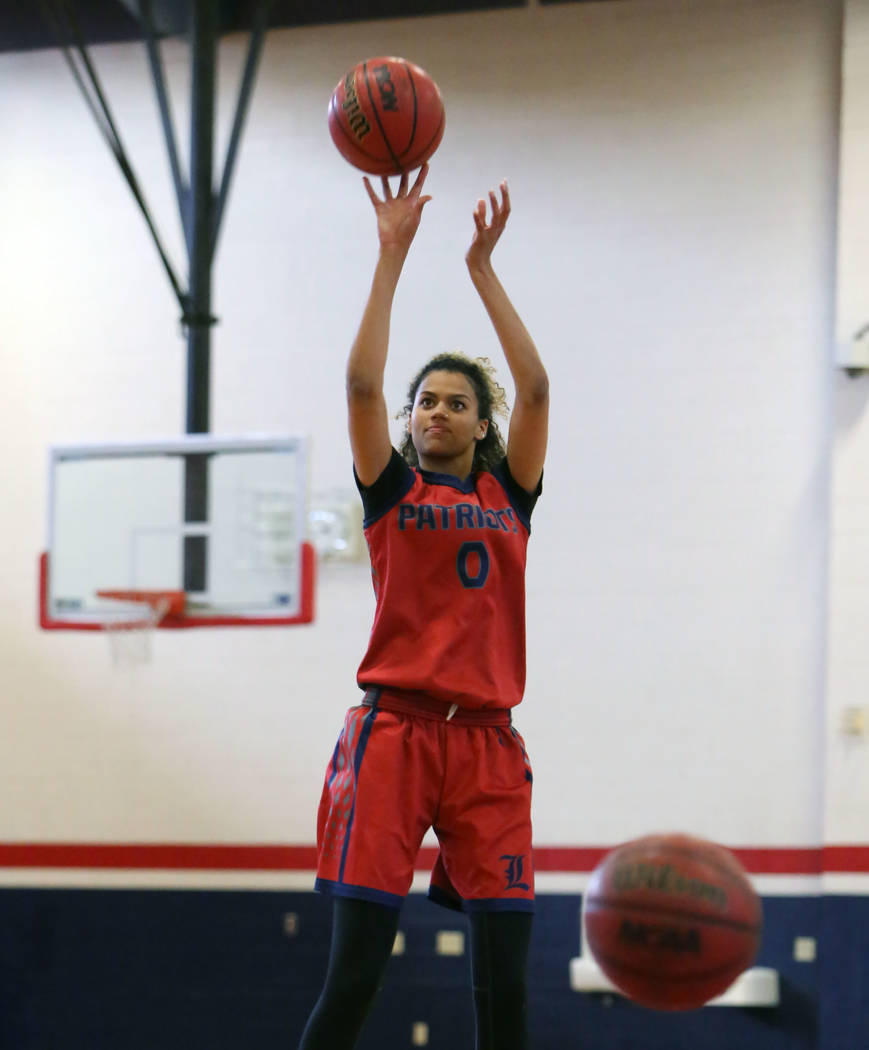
{"x": 855, "y": 721}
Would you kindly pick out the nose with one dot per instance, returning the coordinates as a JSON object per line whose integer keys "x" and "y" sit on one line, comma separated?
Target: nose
{"x": 440, "y": 410}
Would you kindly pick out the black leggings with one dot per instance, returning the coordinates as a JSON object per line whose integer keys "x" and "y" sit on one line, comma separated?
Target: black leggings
{"x": 362, "y": 938}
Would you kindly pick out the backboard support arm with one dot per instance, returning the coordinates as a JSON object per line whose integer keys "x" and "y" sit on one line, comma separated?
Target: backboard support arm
{"x": 201, "y": 209}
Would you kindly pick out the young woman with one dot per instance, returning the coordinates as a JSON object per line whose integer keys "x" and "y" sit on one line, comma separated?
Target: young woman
{"x": 432, "y": 744}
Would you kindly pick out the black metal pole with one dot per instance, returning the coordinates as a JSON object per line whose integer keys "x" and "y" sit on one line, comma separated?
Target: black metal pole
{"x": 201, "y": 208}
{"x": 201, "y": 203}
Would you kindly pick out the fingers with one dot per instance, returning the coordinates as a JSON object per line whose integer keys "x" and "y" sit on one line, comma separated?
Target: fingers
{"x": 402, "y": 191}
{"x": 500, "y": 209}
{"x": 387, "y": 192}
{"x": 480, "y": 215}
{"x": 420, "y": 179}
{"x": 375, "y": 200}
{"x": 505, "y": 197}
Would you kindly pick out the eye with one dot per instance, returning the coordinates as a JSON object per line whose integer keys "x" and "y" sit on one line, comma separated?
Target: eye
{"x": 458, "y": 406}
{"x": 425, "y": 401}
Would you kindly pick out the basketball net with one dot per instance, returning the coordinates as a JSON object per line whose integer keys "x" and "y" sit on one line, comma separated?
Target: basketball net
{"x": 130, "y": 640}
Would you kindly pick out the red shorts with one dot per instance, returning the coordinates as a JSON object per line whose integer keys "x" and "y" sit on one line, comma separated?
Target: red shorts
{"x": 395, "y": 774}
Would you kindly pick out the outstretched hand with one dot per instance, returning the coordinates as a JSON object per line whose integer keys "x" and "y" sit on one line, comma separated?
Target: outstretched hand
{"x": 399, "y": 214}
{"x": 486, "y": 234}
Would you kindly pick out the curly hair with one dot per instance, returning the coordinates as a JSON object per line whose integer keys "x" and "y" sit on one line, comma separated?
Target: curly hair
{"x": 491, "y": 401}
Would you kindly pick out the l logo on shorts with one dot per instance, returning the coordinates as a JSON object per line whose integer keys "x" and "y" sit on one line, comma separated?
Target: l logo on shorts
{"x": 513, "y": 871}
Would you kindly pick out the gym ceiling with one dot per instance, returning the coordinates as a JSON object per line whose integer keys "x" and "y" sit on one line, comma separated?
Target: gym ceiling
{"x": 27, "y": 26}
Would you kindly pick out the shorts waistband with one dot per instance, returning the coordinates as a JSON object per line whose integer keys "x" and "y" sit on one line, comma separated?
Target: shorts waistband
{"x": 422, "y": 706}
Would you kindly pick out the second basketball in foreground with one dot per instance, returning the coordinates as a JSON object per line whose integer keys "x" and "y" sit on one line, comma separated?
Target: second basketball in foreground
{"x": 386, "y": 116}
{"x": 671, "y": 920}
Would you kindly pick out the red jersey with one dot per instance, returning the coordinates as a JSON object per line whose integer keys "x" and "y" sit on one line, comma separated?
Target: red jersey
{"x": 448, "y": 566}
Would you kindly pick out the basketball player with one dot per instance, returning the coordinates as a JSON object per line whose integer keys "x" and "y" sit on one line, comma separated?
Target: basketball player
{"x": 432, "y": 744}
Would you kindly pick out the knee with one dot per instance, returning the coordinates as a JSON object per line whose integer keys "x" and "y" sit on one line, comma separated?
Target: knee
{"x": 355, "y": 986}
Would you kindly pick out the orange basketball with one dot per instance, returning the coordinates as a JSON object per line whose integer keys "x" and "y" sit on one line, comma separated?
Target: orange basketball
{"x": 386, "y": 116}
{"x": 671, "y": 920}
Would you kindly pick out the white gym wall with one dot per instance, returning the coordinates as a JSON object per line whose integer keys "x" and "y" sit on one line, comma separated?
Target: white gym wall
{"x": 673, "y": 172}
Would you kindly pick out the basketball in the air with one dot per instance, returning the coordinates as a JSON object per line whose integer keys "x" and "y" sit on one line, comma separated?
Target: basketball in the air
{"x": 386, "y": 116}
{"x": 672, "y": 920}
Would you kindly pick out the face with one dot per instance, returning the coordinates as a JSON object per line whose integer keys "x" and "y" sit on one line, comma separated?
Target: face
{"x": 444, "y": 423}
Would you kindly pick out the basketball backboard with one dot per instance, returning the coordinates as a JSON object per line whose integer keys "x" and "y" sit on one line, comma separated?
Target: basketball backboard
{"x": 119, "y": 519}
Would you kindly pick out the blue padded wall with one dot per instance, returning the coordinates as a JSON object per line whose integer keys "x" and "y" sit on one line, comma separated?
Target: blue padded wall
{"x": 136, "y": 969}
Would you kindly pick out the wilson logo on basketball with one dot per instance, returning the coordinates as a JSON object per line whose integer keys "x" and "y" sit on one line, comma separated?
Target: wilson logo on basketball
{"x": 355, "y": 117}
{"x": 388, "y": 97}
{"x": 665, "y": 879}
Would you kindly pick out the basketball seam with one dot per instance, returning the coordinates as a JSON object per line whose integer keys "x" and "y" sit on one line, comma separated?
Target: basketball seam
{"x": 695, "y": 975}
{"x": 415, "y": 107}
{"x": 672, "y": 912}
{"x": 376, "y": 114}
{"x": 422, "y": 152}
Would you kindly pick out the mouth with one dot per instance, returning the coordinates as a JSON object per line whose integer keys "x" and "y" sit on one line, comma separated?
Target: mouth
{"x": 436, "y": 430}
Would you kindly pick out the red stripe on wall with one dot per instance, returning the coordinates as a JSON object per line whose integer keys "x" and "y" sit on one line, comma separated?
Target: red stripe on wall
{"x": 845, "y": 858}
{"x": 219, "y": 857}
{"x": 153, "y": 856}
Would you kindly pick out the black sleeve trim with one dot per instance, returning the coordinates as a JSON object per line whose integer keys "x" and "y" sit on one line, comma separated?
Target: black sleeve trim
{"x": 522, "y": 500}
{"x": 395, "y": 481}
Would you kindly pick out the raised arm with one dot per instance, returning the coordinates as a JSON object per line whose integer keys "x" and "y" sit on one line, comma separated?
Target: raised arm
{"x": 398, "y": 218}
{"x": 529, "y": 420}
